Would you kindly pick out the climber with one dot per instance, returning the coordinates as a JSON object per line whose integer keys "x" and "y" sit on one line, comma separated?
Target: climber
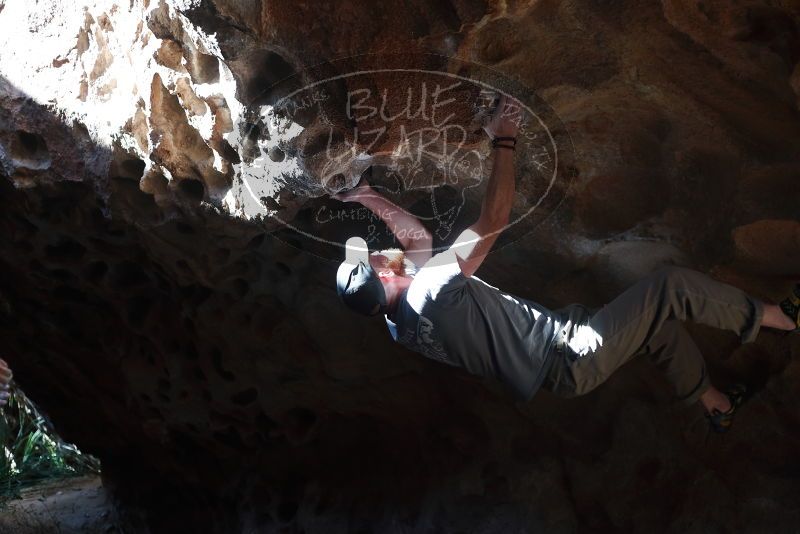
{"x": 5, "y": 379}
{"x": 443, "y": 311}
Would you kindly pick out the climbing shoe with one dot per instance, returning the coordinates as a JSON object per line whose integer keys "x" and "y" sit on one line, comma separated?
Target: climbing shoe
{"x": 791, "y": 307}
{"x": 721, "y": 421}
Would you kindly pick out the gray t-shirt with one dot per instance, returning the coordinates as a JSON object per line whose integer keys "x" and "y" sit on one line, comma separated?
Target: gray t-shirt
{"x": 465, "y": 322}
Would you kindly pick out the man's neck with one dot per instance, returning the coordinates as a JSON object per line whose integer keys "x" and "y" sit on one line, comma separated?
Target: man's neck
{"x": 396, "y": 292}
{"x": 396, "y": 303}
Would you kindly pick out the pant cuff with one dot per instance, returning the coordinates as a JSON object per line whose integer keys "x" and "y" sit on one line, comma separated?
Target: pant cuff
{"x": 751, "y": 331}
{"x": 697, "y": 392}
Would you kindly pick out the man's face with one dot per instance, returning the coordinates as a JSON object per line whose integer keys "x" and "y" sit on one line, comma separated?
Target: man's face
{"x": 388, "y": 260}
{"x": 377, "y": 260}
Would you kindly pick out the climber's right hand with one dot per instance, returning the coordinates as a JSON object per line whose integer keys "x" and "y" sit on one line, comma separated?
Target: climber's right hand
{"x": 506, "y": 118}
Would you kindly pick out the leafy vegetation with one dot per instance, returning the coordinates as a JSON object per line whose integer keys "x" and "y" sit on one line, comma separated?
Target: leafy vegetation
{"x": 31, "y": 451}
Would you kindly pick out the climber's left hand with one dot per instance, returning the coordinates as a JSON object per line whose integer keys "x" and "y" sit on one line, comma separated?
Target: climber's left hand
{"x": 506, "y": 118}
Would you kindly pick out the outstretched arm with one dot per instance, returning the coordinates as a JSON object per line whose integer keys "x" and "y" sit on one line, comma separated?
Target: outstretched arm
{"x": 409, "y": 231}
{"x": 474, "y": 243}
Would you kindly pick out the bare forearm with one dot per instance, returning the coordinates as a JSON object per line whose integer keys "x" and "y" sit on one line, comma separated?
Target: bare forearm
{"x": 474, "y": 243}
{"x": 499, "y": 197}
{"x": 408, "y": 230}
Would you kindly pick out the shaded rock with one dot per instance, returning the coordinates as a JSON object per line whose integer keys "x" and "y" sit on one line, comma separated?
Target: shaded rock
{"x": 770, "y": 246}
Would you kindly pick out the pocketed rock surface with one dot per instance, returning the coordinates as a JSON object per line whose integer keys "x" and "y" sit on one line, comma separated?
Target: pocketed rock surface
{"x": 155, "y": 304}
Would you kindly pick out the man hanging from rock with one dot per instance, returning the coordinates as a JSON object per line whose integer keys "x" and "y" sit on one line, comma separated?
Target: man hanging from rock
{"x": 443, "y": 311}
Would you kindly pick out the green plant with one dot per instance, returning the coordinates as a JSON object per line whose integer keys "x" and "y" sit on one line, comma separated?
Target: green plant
{"x": 31, "y": 451}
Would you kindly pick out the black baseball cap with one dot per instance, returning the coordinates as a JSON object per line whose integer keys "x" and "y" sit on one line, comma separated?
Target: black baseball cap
{"x": 357, "y": 282}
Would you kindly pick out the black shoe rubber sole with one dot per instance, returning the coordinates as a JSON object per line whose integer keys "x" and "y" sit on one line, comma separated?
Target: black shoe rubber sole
{"x": 721, "y": 422}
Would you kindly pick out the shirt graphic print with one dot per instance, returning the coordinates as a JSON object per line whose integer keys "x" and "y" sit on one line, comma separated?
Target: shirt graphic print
{"x": 423, "y": 340}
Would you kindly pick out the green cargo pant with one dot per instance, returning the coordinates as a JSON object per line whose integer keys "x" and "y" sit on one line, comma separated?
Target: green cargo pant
{"x": 645, "y": 319}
